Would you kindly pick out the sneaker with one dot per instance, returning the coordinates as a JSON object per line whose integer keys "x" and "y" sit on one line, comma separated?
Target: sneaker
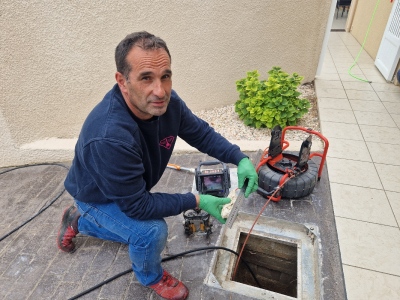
{"x": 170, "y": 288}
{"x": 68, "y": 229}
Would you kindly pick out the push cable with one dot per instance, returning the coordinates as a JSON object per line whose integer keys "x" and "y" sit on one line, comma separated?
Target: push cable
{"x": 362, "y": 46}
{"x": 254, "y": 223}
{"x": 43, "y": 208}
{"x": 163, "y": 260}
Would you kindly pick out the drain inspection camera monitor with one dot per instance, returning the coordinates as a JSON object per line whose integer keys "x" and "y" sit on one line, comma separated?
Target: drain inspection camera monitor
{"x": 213, "y": 181}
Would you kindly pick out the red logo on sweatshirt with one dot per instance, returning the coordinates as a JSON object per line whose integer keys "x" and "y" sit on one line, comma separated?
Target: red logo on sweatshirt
{"x": 167, "y": 142}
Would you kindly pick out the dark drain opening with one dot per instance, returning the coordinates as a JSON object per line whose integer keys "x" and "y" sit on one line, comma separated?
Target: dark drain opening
{"x": 273, "y": 262}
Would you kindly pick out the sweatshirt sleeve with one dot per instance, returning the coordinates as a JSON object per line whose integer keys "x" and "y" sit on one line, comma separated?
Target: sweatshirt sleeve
{"x": 199, "y": 134}
{"x": 117, "y": 170}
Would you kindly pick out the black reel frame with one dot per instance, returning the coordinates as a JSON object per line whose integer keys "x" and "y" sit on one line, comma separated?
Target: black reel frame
{"x": 288, "y": 164}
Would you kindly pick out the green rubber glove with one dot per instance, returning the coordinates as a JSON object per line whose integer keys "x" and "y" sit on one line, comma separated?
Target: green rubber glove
{"x": 213, "y": 205}
{"x": 245, "y": 171}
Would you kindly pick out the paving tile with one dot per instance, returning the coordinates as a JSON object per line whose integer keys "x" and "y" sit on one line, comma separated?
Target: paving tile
{"x": 342, "y": 148}
{"x": 354, "y": 50}
{"x": 384, "y": 153}
{"x": 116, "y": 289}
{"x": 328, "y": 62}
{"x": 343, "y": 68}
{"x": 359, "y": 86}
{"x": 140, "y": 292}
{"x": 394, "y": 199}
{"x": 358, "y": 173}
{"x": 67, "y": 290}
{"x": 7, "y": 285}
{"x": 369, "y": 246}
{"x": 328, "y": 69}
{"x": 29, "y": 275}
{"x": 369, "y": 70}
{"x": 348, "y": 39}
{"x": 78, "y": 268}
{"x": 360, "y": 203}
{"x": 348, "y": 77}
{"x": 328, "y": 92}
{"x": 335, "y": 44}
{"x": 46, "y": 287}
{"x": 362, "y": 95}
{"x": 21, "y": 288}
{"x": 389, "y": 96}
{"x": 60, "y": 266}
{"x": 357, "y": 78}
{"x": 374, "y": 118}
{"x": 102, "y": 261}
{"x": 344, "y": 57}
{"x": 340, "y": 103}
{"x": 341, "y": 131}
{"x": 380, "y": 134}
{"x": 17, "y": 267}
{"x": 396, "y": 119}
{"x": 91, "y": 278}
{"x": 328, "y": 58}
{"x": 392, "y": 107}
{"x": 375, "y": 285}
{"x": 365, "y": 61}
{"x": 363, "y": 105}
{"x": 328, "y": 76}
{"x": 384, "y": 87}
{"x": 390, "y": 176}
{"x": 376, "y": 78}
{"x": 333, "y": 84}
{"x": 337, "y": 115}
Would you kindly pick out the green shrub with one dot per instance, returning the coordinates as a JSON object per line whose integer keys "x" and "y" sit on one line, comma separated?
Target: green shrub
{"x": 271, "y": 102}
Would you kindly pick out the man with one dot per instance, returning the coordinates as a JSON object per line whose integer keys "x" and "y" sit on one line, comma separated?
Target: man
{"x": 122, "y": 152}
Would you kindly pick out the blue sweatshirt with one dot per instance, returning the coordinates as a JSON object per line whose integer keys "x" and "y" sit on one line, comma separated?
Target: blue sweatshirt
{"x": 119, "y": 157}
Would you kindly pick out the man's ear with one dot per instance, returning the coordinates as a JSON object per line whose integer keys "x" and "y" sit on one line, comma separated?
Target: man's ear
{"x": 121, "y": 81}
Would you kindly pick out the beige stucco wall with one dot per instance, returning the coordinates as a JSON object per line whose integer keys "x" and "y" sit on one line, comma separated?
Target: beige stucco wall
{"x": 363, "y": 11}
{"x": 57, "y": 58}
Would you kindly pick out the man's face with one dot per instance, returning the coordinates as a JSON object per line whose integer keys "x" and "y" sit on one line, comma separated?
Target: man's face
{"x": 148, "y": 89}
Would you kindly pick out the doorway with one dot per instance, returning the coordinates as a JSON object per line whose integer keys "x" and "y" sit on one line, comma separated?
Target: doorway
{"x": 341, "y": 16}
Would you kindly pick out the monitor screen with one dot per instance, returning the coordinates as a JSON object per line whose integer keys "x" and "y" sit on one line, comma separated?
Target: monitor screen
{"x": 212, "y": 182}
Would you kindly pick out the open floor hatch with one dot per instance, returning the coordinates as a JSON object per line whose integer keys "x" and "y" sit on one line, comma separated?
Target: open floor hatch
{"x": 284, "y": 257}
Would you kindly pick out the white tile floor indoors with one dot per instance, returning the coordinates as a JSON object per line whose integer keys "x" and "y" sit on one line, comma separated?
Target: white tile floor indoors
{"x": 362, "y": 123}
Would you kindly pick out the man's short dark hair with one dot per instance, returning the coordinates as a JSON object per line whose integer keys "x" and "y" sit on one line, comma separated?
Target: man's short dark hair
{"x": 142, "y": 39}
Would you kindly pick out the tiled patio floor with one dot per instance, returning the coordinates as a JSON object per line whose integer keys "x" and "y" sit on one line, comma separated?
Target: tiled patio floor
{"x": 362, "y": 123}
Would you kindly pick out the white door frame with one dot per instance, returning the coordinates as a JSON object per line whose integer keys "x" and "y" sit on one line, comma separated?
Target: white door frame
{"x": 388, "y": 54}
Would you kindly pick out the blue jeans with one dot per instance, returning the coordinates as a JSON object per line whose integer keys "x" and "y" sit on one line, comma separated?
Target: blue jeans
{"x": 146, "y": 238}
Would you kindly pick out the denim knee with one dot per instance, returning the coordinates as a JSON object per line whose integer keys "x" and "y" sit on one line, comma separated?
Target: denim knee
{"x": 154, "y": 234}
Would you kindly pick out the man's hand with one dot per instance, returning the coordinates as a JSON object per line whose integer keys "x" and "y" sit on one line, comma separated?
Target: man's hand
{"x": 245, "y": 171}
{"x": 213, "y": 205}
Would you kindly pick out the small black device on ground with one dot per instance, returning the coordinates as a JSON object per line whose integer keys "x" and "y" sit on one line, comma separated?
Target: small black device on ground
{"x": 211, "y": 178}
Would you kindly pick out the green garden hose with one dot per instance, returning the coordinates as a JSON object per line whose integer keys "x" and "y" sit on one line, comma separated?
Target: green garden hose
{"x": 362, "y": 46}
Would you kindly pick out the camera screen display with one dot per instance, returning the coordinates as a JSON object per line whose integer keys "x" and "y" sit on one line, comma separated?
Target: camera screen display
{"x": 212, "y": 182}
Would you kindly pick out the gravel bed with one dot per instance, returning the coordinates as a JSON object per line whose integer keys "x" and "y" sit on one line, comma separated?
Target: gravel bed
{"x": 226, "y": 121}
